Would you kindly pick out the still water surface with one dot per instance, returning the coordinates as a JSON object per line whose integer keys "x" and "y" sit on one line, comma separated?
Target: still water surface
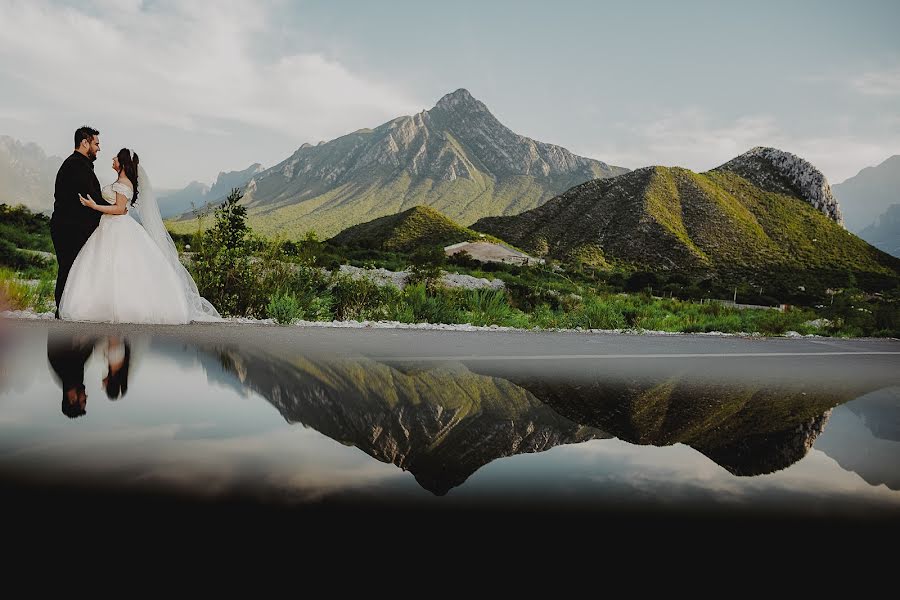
{"x": 168, "y": 415}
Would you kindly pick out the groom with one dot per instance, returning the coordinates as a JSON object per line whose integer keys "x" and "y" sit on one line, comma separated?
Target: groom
{"x": 72, "y": 223}
{"x": 67, "y": 356}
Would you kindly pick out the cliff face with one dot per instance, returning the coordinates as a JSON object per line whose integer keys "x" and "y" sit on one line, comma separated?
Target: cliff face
{"x": 776, "y": 170}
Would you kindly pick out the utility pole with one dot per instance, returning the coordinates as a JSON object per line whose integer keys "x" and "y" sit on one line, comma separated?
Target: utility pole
{"x": 735, "y": 295}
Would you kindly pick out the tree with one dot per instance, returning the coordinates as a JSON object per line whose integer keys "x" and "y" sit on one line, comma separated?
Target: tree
{"x": 426, "y": 263}
{"x": 222, "y": 267}
{"x": 230, "y": 227}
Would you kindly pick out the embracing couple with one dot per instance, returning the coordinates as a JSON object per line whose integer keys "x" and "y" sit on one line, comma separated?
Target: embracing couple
{"x": 112, "y": 268}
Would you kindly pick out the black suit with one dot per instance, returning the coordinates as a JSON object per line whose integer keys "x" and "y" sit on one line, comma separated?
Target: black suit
{"x": 72, "y": 223}
{"x": 67, "y": 356}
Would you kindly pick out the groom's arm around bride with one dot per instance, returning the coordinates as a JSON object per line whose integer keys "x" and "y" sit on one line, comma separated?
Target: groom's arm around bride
{"x": 73, "y": 223}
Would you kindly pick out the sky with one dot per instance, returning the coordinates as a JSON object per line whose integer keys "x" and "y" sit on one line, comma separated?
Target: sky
{"x": 197, "y": 87}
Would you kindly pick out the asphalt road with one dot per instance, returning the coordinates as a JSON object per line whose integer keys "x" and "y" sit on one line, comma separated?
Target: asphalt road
{"x": 870, "y": 362}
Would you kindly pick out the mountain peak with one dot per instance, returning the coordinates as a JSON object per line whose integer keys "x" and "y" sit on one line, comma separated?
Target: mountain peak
{"x": 461, "y": 98}
{"x": 456, "y": 157}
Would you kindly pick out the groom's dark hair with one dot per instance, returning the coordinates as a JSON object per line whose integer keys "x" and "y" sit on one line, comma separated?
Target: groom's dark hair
{"x": 84, "y": 133}
{"x": 73, "y": 410}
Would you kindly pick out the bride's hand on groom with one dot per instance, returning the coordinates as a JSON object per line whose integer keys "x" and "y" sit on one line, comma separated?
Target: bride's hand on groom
{"x": 89, "y": 202}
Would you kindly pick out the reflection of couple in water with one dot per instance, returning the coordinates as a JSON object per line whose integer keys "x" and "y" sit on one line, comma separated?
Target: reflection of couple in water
{"x": 68, "y": 355}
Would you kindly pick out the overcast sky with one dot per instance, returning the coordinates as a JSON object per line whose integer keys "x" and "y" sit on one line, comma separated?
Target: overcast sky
{"x": 198, "y": 87}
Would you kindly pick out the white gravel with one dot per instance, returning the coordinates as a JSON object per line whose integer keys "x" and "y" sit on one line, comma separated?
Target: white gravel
{"x": 398, "y": 278}
{"x": 31, "y": 315}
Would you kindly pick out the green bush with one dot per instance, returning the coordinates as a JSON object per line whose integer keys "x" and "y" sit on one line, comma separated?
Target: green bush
{"x": 545, "y": 317}
{"x": 25, "y": 229}
{"x": 284, "y": 308}
{"x": 21, "y": 295}
{"x": 440, "y": 306}
{"x": 597, "y": 313}
{"x": 489, "y": 307}
{"x": 361, "y": 298}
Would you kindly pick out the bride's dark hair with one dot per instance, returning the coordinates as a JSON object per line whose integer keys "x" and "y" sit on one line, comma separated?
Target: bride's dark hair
{"x": 128, "y": 162}
{"x": 117, "y": 383}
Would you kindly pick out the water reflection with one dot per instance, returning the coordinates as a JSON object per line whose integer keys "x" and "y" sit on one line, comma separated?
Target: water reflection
{"x": 444, "y": 423}
{"x": 67, "y": 355}
{"x": 441, "y": 424}
{"x": 864, "y": 437}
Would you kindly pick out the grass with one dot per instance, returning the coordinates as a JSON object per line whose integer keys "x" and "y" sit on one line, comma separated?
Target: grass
{"x": 344, "y": 298}
{"x": 19, "y": 294}
{"x": 285, "y": 281}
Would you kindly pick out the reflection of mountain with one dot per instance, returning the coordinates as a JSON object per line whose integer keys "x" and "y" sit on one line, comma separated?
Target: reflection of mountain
{"x": 444, "y": 422}
{"x": 747, "y": 429}
{"x": 440, "y": 424}
{"x": 864, "y": 436}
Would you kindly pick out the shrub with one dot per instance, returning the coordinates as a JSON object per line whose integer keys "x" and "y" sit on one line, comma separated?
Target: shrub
{"x": 597, "y": 313}
{"x": 430, "y": 307}
{"x": 361, "y": 298}
{"x": 489, "y": 307}
{"x": 284, "y": 308}
{"x": 21, "y": 295}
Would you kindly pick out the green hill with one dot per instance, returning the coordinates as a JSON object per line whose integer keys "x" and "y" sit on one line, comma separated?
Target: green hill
{"x": 406, "y": 231}
{"x": 763, "y": 212}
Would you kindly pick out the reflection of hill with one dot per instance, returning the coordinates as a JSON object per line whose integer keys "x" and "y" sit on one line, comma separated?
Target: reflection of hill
{"x": 440, "y": 424}
{"x": 443, "y": 423}
{"x": 862, "y": 437}
{"x": 747, "y": 429}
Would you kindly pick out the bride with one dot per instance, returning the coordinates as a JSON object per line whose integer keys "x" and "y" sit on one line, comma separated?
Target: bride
{"x": 126, "y": 273}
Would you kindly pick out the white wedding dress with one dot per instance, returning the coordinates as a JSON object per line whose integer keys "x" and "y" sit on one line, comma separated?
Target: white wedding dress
{"x": 122, "y": 275}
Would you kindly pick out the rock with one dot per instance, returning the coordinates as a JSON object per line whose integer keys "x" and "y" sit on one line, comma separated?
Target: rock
{"x": 802, "y": 175}
{"x": 822, "y": 322}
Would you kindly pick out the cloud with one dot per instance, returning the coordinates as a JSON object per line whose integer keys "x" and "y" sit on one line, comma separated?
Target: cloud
{"x": 191, "y": 65}
{"x": 878, "y": 83}
{"x": 692, "y": 138}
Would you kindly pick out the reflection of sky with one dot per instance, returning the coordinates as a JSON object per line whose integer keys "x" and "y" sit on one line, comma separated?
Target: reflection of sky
{"x": 613, "y": 471}
{"x": 850, "y": 441}
{"x": 188, "y": 424}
